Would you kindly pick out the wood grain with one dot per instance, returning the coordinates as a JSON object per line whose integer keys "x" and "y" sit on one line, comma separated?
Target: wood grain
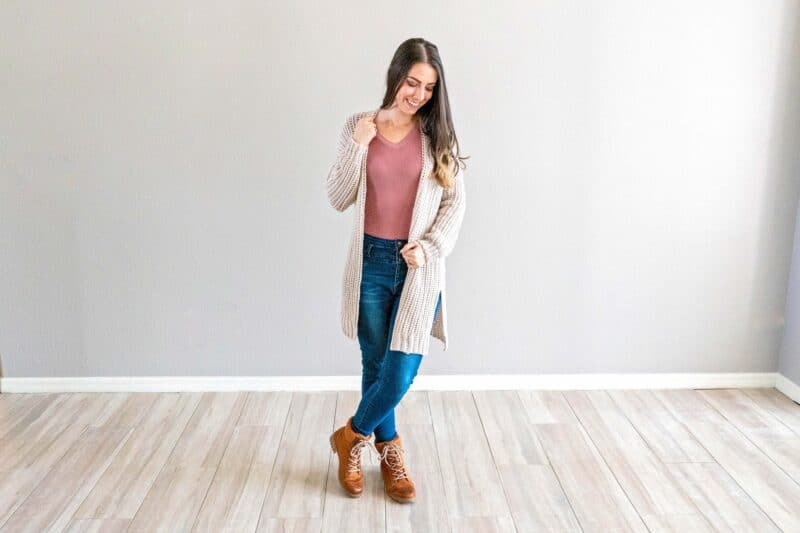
{"x": 709, "y": 460}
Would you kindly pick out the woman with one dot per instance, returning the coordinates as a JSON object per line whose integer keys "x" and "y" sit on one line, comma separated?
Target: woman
{"x": 400, "y": 165}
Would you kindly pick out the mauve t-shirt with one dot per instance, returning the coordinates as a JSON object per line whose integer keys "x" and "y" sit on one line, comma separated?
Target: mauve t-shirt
{"x": 393, "y": 171}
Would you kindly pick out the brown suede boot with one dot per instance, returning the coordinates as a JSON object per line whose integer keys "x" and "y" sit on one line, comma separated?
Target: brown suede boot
{"x": 396, "y": 480}
{"x": 347, "y": 444}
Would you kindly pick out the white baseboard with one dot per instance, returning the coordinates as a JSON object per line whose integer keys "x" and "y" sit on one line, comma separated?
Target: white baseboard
{"x": 422, "y": 382}
{"x": 788, "y": 387}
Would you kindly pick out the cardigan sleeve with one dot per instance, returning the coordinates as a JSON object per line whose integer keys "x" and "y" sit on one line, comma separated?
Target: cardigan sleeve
{"x": 341, "y": 184}
{"x": 440, "y": 239}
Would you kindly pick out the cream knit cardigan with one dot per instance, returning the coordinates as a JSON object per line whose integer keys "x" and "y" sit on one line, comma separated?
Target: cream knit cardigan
{"x": 435, "y": 223}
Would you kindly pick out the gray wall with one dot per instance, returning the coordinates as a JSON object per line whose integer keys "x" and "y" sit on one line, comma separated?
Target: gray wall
{"x": 631, "y": 199}
{"x": 789, "y": 357}
{"x": 789, "y": 361}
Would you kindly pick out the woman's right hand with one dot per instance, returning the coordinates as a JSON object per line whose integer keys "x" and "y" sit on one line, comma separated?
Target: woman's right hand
{"x": 365, "y": 130}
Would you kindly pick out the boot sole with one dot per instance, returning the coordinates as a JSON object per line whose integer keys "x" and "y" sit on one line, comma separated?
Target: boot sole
{"x": 333, "y": 449}
{"x": 401, "y": 500}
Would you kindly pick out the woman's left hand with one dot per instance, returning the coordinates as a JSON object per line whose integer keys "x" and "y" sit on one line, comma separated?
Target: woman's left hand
{"x": 413, "y": 254}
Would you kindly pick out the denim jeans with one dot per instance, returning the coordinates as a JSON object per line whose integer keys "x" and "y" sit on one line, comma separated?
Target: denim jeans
{"x": 386, "y": 374}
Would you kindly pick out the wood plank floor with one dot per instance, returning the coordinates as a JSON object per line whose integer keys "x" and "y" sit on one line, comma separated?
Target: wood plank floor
{"x": 633, "y": 460}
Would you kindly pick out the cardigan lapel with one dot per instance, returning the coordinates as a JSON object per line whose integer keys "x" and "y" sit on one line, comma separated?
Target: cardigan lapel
{"x": 424, "y": 182}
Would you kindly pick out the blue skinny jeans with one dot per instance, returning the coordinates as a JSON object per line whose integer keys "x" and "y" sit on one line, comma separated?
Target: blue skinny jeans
{"x": 386, "y": 375}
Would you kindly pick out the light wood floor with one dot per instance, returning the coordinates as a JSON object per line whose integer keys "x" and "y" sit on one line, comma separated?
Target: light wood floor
{"x": 649, "y": 460}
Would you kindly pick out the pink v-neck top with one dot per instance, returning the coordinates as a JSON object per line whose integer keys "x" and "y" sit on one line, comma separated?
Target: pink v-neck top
{"x": 393, "y": 172}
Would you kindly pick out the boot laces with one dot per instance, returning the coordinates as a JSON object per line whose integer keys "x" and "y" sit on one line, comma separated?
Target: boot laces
{"x": 354, "y": 460}
{"x": 393, "y": 455}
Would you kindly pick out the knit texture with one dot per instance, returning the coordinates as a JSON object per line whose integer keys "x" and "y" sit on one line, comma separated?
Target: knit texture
{"x": 435, "y": 224}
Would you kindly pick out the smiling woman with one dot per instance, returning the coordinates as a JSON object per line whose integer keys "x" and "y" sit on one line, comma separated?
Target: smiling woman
{"x": 400, "y": 166}
{"x": 416, "y": 91}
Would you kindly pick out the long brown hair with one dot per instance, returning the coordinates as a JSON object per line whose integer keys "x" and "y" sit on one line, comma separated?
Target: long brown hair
{"x": 435, "y": 117}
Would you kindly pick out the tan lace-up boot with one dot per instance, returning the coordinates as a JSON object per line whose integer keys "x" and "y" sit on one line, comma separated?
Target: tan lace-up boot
{"x": 396, "y": 480}
{"x": 348, "y": 444}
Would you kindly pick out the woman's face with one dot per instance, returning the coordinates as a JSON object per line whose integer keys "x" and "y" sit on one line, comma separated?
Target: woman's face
{"x": 417, "y": 88}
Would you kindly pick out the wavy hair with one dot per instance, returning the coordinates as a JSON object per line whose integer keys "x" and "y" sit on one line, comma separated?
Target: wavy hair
{"x": 437, "y": 122}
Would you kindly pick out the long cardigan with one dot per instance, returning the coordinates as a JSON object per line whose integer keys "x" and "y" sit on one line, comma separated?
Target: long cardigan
{"x": 435, "y": 223}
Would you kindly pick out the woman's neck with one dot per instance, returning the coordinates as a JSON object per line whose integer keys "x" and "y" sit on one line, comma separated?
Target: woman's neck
{"x": 398, "y": 119}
